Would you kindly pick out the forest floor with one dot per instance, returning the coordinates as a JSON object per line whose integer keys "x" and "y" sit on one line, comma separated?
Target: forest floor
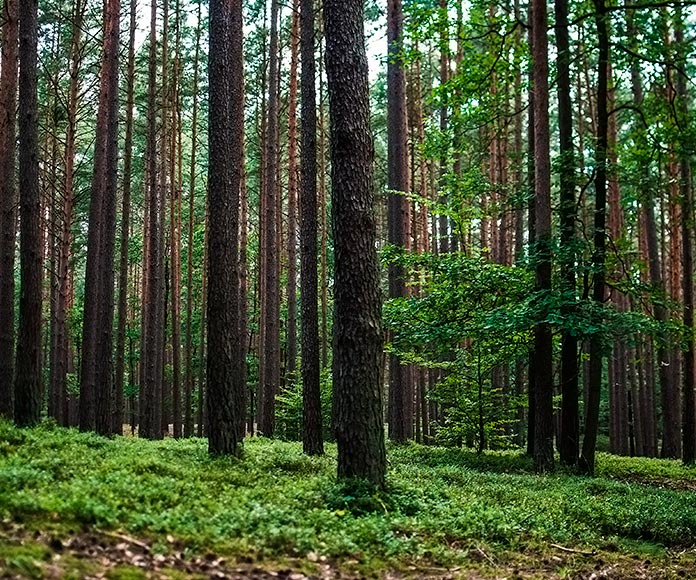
{"x": 76, "y": 505}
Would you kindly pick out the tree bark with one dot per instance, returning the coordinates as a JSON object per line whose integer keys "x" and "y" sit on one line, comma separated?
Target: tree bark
{"x": 270, "y": 355}
{"x": 119, "y": 383}
{"x": 28, "y": 381}
{"x": 569, "y": 443}
{"x": 188, "y": 362}
{"x": 589, "y": 444}
{"x": 543, "y": 338}
{"x": 357, "y": 340}
{"x": 400, "y": 393}
{"x": 225, "y": 135}
{"x": 8, "y": 200}
{"x": 312, "y": 438}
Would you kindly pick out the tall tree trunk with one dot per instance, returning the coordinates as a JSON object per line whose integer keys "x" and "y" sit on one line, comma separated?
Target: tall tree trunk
{"x": 312, "y": 439}
{"x": 569, "y": 444}
{"x": 543, "y": 338}
{"x": 175, "y": 226}
{"x": 117, "y": 416}
{"x": 589, "y": 444}
{"x": 400, "y": 394}
{"x": 8, "y": 199}
{"x": 188, "y": 363}
{"x": 150, "y": 410}
{"x": 225, "y": 135}
{"x": 357, "y": 340}
{"x": 293, "y": 174}
{"x": 270, "y": 355}
{"x": 687, "y": 229}
{"x": 28, "y": 383}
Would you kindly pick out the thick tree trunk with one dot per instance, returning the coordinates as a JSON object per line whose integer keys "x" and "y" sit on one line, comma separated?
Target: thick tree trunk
{"x": 28, "y": 383}
{"x": 8, "y": 200}
{"x": 312, "y": 439}
{"x": 225, "y": 135}
{"x": 96, "y": 374}
{"x": 357, "y": 340}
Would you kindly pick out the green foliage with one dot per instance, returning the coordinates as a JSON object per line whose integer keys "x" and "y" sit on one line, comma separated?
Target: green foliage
{"x": 289, "y": 407}
{"x": 276, "y": 502}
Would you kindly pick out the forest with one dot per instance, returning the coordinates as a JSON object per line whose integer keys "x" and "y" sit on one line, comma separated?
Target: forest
{"x": 347, "y": 289}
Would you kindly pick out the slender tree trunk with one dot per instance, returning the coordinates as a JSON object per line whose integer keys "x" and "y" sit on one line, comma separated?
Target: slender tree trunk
{"x": 400, "y": 394}
{"x": 543, "y": 339}
{"x": 8, "y": 200}
{"x": 312, "y": 439}
{"x": 188, "y": 363}
{"x": 569, "y": 444}
{"x": 150, "y": 410}
{"x": 589, "y": 444}
{"x": 28, "y": 383}
{"x": 357, "y": 341}
{"x": 117, "y": 417}
{"x": 687, "y": 229}
{"x": 270, "y": 355}
{"x": 175, "y": 228}
{"x": 293, "y": 174}
{"x": 225, "y": 134}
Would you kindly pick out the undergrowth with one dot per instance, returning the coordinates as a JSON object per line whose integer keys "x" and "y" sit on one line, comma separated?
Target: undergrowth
{"x": 277, "y": 502}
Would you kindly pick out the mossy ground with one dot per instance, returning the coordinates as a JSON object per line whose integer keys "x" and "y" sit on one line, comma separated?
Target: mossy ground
{"x": 445, "y": 512}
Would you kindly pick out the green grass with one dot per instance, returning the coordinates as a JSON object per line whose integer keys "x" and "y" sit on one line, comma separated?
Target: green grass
{"x": 275, "y": 503}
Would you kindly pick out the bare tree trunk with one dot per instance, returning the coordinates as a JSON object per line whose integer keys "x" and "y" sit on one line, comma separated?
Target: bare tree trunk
{"x": 8, "y": 199}
{"x": 569, "y": 447}
{"x": 357, "y": 339}
{"x": 28, "y": 383}
{"x": 293, "y": 174}
{"x": 312, "y": 437}
{"x": 400, "y": 392}
{"x": 543, "y": 339}
{"x": 117, "y": 416}
{"x": 587, "y": 458}
{"x": 270, "y": 355}
{"x": 225, "y": 134}
{"x": 150, "y": 410}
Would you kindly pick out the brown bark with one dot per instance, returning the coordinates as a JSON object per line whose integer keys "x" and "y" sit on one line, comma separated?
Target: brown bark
{"x": 543, "y": 340}
{"x": 357, "y": 340}
{"x": 28, "y": 383}
{"x": 312, "y": 439}
{"x": 150, "y": 409}
{"x": 8, "y": 199}
{"x": 225, "y": 135}
{"x": 400, "y": 389}
{"x": 175, "y": 227}
{"x": 293, "y": 173}
{"x": 687, "y": 229}
{"x": 569, "y": 447}
{"x": 587, "y": 458}
{"x": 188, "y": 362}
{"x": 96, "y": 374}
{"x": 270, "y": 354}
{"x": 119, "y": 383}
